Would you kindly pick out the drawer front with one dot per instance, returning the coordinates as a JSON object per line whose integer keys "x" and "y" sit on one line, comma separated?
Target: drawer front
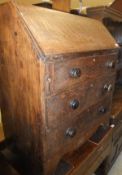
{"x": 63, "y": 75}
{"x": 70, "y": 135}
{"x": 67, "y": 105}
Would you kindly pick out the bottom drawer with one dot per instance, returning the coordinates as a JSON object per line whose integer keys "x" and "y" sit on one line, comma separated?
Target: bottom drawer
{"x": 87, "y": 158}
{"x": 72, "y": 134}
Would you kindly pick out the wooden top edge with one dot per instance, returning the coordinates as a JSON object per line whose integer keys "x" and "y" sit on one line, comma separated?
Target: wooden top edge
{"x": 66, "y": 56}
{"x": 103, "y": 9}
{"x": 116, "y": 6}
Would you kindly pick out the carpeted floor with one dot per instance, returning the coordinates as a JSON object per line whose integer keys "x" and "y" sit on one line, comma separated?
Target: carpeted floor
{"x": 117, "y": 167}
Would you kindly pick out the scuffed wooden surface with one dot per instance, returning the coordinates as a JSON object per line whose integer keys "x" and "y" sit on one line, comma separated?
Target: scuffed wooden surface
{"x": 58, "y": 32}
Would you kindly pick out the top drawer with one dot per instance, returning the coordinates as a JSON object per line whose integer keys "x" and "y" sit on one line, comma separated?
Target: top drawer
{"x": 63, "y": 75}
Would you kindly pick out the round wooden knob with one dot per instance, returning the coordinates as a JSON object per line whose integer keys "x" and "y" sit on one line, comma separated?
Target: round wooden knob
{"x": 102, "y": 110}
{"x": 74, "y": 104}
{"x": 75, "y": 72}
{"x": 70, "y": 132}
{"x": 108, "y": 87}
{"x": 111, "y": 64}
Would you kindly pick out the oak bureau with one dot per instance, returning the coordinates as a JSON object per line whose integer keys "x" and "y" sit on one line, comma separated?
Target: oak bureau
{"x": 57, "y": 76}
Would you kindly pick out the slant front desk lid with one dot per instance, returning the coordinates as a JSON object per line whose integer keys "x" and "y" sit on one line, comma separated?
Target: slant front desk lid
{"x": 59, "y": 33}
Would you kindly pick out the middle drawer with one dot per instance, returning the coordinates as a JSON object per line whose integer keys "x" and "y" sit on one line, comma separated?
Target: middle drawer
{"x": 73, "y": 102}
{"x": 71, "y": 134}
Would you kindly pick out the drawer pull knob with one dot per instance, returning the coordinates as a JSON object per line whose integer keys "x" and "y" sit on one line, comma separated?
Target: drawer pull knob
{"x": 75, "y": 72}
{"x": 102, "y": 110}
{"x": 70, "y": 132}
{"x": 108, "y": 87}
{"x": 74, "y": 104}
{"x": 111, "y": 64}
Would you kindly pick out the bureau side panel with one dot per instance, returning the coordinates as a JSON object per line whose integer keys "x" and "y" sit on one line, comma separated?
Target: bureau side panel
{"x": 21, "y": 86}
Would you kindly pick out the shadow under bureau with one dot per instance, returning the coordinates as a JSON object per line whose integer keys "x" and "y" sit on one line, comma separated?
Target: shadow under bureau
{"x": 57, "y": 77}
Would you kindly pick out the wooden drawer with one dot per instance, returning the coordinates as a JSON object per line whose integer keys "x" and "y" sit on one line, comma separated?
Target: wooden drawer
{"x": 70, "y": 134}
{"x": 67, "y": 105}
{"x": 90, "y": 154}
{"x": 63, "y": 75}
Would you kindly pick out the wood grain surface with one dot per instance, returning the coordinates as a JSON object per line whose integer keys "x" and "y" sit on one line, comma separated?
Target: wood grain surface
{"x": 113, "y": 11}
{"x": 117, "y": 5}
{"x": 68, "y": 33}
{"x": 34, "y": 84}
{"x": 62, "y": 5}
